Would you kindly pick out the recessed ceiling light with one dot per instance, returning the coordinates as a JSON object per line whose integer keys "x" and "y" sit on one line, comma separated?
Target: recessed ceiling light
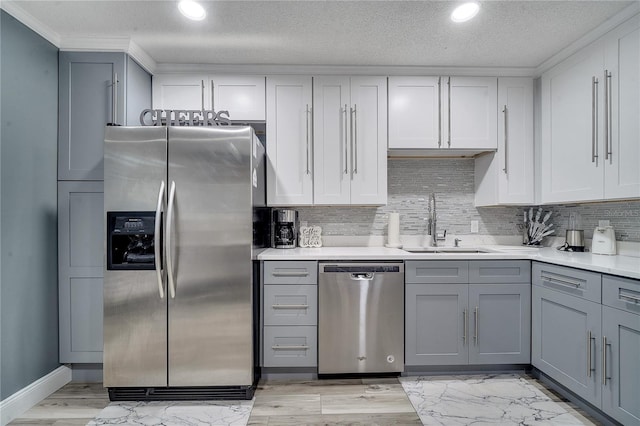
{"x": 465, "y": 12}
{"x": 192, "y": 10}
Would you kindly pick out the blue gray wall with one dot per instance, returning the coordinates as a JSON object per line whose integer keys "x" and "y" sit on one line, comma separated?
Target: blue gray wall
{"x": 28, "y": 221}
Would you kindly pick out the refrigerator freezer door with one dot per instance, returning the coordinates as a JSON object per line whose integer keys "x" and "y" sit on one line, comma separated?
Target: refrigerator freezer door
{"x": 135, "y": 316}
{"x": 210, "y": 318}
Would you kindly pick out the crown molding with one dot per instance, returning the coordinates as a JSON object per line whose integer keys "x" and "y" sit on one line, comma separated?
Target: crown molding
{"x": 608, "y": 25}
{"x": 142, "y": 57}
{"x": 343, "y": 70}
{"x": 12, "y": 8}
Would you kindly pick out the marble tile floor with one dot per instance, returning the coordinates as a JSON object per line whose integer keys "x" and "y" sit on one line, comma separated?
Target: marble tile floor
{"x": 324, "y": 402}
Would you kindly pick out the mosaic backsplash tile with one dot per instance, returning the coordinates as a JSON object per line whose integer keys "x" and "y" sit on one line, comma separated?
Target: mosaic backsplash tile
{"x": 412, "y": 180}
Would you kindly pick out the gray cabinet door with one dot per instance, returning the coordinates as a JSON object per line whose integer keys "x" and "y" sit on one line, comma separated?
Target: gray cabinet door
{"x": 80, "y": 271}
{"x": 290, "y": 305}
{"x": 436, "y": 324}
{"x": 286, "y": 346}
{"x": 500, "y": 323}
{"x": 566, "y": 334}
{"x": 85, "y": 107}
{"x": 622, "y": 384}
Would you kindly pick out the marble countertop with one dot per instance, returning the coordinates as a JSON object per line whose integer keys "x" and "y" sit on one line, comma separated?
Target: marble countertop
{"x": 625, "y": 266}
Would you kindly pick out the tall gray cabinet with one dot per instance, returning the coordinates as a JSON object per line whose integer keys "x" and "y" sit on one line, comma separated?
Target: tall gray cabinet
{"x": 86, "y": 105}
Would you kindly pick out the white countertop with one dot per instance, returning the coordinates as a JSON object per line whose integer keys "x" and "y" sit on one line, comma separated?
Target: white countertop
{"x": 625, "y": 266}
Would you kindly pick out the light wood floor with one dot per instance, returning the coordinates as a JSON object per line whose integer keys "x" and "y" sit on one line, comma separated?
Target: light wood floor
{"x": 326, "y": 402}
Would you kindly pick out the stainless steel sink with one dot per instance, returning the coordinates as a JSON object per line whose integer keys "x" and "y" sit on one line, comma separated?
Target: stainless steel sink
{"x": 443, "y": 250}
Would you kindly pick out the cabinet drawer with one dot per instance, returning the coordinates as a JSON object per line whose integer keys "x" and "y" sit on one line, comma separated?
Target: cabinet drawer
{"x": 621, "y": 293}
{"x": 290, "y": 305}
{"x": 436, "y": 271}
{"x": 291, "y": 272}
{"x": 585, "y": 284}
{"x": 500, "y": 271}
{"x": 290, "y": 346}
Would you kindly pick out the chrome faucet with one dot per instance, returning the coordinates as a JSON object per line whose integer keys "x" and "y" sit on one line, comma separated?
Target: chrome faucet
{"x": 432, "y": 222}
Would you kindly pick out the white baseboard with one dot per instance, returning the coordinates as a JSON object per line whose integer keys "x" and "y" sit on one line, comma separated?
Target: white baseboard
{"x": 18, "y": 403}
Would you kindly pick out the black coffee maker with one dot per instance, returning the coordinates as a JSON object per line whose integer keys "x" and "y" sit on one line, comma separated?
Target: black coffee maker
{"x": 285, "y": 228}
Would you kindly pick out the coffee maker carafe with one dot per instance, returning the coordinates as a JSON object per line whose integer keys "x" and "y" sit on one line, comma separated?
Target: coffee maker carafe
{"x": 285, "y": 228}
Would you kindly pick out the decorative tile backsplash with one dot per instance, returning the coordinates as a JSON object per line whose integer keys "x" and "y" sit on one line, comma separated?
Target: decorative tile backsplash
{"x": 452, "y": 180}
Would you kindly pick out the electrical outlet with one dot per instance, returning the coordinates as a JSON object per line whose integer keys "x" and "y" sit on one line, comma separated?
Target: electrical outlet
{"x": 603, "y": 223}
{"x": 474, "y": 226}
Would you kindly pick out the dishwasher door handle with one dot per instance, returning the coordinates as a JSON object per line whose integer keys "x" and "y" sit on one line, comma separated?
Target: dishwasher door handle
{"x": 362, "y": 276}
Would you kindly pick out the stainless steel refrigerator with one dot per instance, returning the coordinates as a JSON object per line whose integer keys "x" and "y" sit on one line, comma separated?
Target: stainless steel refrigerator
{"x": 183, "y": 208}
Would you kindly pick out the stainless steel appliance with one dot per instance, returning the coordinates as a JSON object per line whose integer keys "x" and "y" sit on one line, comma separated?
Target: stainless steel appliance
{"x": 361, "y": 318}
{"x": 285, "y": 228}
{"x": 185, "y": 214}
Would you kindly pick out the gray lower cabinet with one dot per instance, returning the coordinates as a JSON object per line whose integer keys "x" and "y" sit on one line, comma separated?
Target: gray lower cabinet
{"x": 565, "y": 333}
{"x": 436, "y": 318}
{"x": 500, "y": 323}
{"x": 479, "y": 314}
{"x": 81, "y": 270}
{"x": 290, "y": 314}
{"x": 86, "y": 104}
{"x": 621, "y": 349}
{"x": 592, "y": 349}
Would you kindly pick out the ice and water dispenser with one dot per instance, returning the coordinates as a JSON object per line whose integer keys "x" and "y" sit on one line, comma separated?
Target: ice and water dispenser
{"x": 130, "y": 240}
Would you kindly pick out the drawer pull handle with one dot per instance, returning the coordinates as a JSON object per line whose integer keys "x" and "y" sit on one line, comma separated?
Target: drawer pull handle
{"x": 290, "y": 306}
{"x": 290, "y": 274}
{"x": 567, "y": 283}
{"x": 289, "y": 347}
{"x": 628, "y": 297}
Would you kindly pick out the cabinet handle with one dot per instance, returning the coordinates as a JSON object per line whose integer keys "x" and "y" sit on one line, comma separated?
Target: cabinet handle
{"x": 608, "y": 142}
{"x": 464, "y": 326}
{"x": 439, "y": 112}
{"x": 629, "y": 297}
{"x": 594, "y": 120}
{"x": 202, "y": 93}
{"x": 290, "y": 274}
{"x": 288, "y": 347}
{"x": 351, "y": 135}
{"x": 449, "y": 111}
{"x": 475, "y": 320}
{"x": 590, "y": 368}
{"x": 290, "y": 306}
{"x": 114, "y": 100}
{"x": 506, "y": 139}
{"x": 567, "y": 283}
{"x": 355, "y": 139}
{"x": 346, "y": 155}
{"x": 213, "y": 103}
{"x": 156, "y": 240}
{"x": 172, "y": 195}
{"x": 307, "y": 117}
{"x": 604, "y": 361}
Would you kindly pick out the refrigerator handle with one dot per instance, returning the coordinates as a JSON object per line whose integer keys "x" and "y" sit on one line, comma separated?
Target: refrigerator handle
{"x": 172, "y": 195}
{"x": 156, "y": 242}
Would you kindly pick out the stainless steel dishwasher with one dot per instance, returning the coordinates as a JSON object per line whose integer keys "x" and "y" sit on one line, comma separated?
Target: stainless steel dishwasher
{"x": 361, "y": 318}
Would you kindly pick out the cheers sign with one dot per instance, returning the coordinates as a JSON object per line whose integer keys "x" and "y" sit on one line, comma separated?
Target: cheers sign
{"x": 183, "y": 117}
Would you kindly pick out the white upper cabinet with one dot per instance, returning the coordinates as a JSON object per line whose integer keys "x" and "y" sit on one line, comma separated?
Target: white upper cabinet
{"x": 571, "y": 166}
{"x": 242, "y": 96}
{"x": 289, "y": 141}
{"x": 507, "y": 176}
{"x": 590, "y": 121}
{"x": 415, "y": 112}
{"x": 622, "y": 112}
{"x": 471, "y": 113}
{"x": 350, "y": 140}
{"x": 443, "y": 112}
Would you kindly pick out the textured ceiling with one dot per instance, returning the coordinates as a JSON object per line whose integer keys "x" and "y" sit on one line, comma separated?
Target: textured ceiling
{"x": 414, "y": 33}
